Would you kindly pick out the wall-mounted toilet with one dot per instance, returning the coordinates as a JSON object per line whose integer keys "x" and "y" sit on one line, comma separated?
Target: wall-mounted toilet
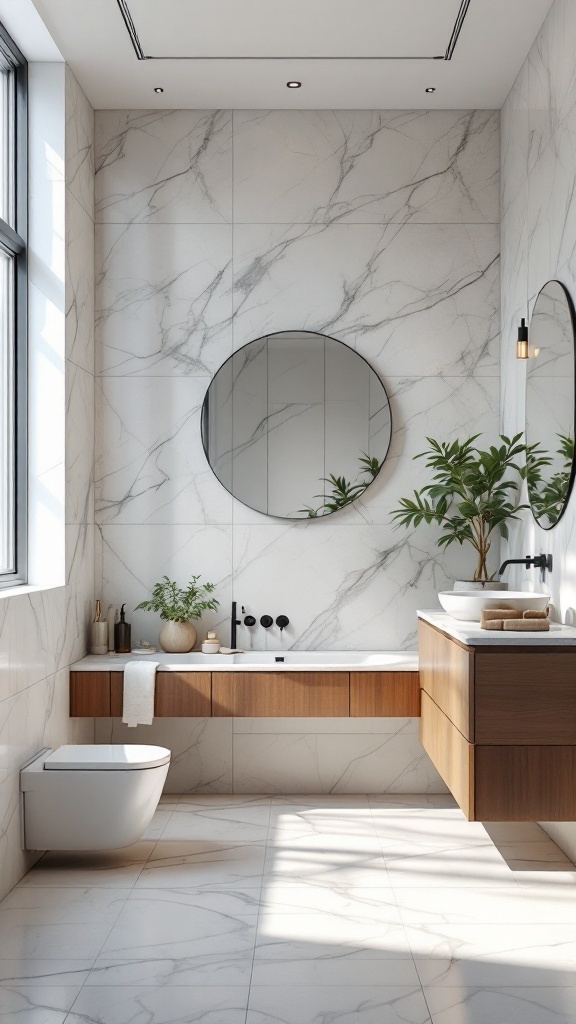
{"x": 98, "y": 797}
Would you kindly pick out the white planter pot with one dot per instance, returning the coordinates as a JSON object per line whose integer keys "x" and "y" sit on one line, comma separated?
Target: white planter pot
{"x": 473, "y": 585}
{"x": 177, "y": 637}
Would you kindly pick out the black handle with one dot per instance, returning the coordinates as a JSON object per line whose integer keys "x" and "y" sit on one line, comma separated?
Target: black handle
{"x": 266, "y": 621}
{"x": 249, "y": 620}
{"x": 282, "y": 621}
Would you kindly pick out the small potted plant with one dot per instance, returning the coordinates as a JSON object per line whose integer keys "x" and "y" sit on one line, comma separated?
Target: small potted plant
{"x": 178, "y": 606}
{"x": 474, "y": 493}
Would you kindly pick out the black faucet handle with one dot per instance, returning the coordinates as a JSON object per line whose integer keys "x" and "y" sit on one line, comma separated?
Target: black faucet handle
{"x": 249, "y": 620}
{"x": 282, "y": 621}
{"x": 266, "y": 621}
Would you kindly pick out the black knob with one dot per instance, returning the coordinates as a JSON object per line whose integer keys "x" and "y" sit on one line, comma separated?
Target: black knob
{"x": 249, "y": 620}
{"x": 266, "y": 621}
{"x": 282, "y": 621}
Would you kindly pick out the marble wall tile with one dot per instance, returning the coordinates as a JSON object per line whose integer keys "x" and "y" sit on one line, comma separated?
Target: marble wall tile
{"x": 79, "y": 144}
{"x": 163, "y": 166}
{"x": 551, "y": 77}
{"x": 79, "y": 285}
{"x": 342, "y": 587}
{"x": 341, "y": 763}
{"x": 79, "y": 445}
{"x": 365, "y": 166}
{"x": 412, "y": 299}
{"x": 151, "y": 464}
{"x": 201, "y": 750}
{"x": 133, "y": 558}
{"x": 514, "y": 144}
{"x": 163, "y": 299}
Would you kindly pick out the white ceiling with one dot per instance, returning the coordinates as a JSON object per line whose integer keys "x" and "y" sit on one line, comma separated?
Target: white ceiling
{"x": 495, "y": 38}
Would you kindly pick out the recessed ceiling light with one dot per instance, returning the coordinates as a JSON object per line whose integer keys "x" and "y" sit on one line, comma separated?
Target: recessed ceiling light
{"x": 431, "y": 88}
{"x": 158, "y": 88}
{"x": 294, "y": 85}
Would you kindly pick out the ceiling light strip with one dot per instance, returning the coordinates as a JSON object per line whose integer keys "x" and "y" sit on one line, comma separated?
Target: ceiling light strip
{"x": 131, "y": 28}
{"x": 457, "y": 29}
{"x": 124, "y": 11}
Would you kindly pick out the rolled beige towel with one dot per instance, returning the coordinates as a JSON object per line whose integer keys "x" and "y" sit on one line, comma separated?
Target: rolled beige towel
{"x": 492, "y": 624}
{"x": 533, "y": 613}
{"x": 527, "y": 625}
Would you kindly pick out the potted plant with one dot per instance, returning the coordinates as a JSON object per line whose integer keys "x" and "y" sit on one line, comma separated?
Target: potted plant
{"x": 474, "y": 492}
{"x": 178, "y": 606}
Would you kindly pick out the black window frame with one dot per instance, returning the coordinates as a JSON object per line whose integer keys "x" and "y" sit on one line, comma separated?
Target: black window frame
{"x": 14, "y": 241}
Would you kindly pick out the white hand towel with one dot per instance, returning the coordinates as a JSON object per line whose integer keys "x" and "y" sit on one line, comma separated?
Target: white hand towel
{"x": 139, "y": 687}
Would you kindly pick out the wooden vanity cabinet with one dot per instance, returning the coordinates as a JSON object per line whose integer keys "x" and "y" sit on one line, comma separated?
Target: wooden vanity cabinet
{"x": 280, "y": 694}
{"x": 277, "y": 694}
{"x": 499, "y": 724}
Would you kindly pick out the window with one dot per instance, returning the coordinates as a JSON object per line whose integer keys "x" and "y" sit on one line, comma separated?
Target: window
{"x": 13, "y": 304}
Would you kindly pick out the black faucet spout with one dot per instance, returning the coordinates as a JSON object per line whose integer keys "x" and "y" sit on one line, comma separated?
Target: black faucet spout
{"x": 539, "y": 562}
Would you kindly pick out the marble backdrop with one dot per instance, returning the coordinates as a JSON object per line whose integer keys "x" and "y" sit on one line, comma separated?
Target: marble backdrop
{"x": 539, "y": 243}
{"x": 214, "y": 228}
{"x": 42, "y": 632}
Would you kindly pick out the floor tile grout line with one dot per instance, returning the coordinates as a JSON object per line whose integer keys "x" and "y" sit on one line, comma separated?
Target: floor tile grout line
{"x": 261, "y": 890}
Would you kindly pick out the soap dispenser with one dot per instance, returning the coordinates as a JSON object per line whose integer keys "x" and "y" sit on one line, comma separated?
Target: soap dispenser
{"x": 122, "y": 634}
{"x": 211, "y": 645}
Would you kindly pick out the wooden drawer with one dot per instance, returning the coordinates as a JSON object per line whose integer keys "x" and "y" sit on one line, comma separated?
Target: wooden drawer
{"x": 526, "y": 698}
{"x": 280, "y": 694}
{"x": 178, "y": 695}
{"x": 89, "y": 694}
{"x": 536, "y": 783}
{"x": 450, "y": 753}
{"x": 447, "y": 676}
{"x": 384, "y": 695}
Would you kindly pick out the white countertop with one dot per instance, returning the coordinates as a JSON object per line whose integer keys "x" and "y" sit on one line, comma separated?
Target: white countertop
{"x": 472, "y": 635}
{"x": 260, "y": 661}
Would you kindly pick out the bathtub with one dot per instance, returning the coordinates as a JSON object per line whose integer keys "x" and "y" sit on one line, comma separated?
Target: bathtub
{"x": 263, "y": 661}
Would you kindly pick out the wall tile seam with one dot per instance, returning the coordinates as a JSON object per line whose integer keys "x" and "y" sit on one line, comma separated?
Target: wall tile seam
{"x": 70, "y": 194}
{"x": 298, "y": 223}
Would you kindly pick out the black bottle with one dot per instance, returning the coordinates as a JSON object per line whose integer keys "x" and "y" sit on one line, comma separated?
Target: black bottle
{"x": 122, "y": 635}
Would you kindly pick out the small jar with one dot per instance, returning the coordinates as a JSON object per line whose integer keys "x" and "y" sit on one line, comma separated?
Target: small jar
{"x": 211, "y": 645}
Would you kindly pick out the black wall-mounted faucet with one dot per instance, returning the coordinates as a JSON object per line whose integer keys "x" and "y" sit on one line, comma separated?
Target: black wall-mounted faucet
{"x": 539, "y": 562}
{"x": 282, "y": 621}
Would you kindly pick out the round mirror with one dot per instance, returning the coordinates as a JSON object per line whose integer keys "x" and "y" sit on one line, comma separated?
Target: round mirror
{"x": 296, "y": 425}
{"x": 550, "y": 404}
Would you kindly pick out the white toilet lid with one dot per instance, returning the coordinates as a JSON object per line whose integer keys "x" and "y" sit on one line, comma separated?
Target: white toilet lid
{"x": 101, "y": 757}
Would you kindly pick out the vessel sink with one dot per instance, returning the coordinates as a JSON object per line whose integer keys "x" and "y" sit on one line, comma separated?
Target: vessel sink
{"x": 468, "y": 604}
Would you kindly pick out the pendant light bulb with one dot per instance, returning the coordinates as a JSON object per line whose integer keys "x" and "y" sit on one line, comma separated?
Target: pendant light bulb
{"x": 522, "y": 343}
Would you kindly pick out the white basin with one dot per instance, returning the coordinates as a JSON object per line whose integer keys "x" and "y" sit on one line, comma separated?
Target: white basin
{"x": 467, "y": 604}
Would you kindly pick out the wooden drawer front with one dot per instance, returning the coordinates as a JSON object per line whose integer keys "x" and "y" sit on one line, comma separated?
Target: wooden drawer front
{"x": 449, "y": 752}
{"x": 447, "y": 675}
{"x": 535, "y": 783}
{"x": 280, "y": 694}
{"x": 89, "y": 694}
{"x": 526, "y": 698}
{"x": 178, "y": 695}
{"x": 384, "y": 695}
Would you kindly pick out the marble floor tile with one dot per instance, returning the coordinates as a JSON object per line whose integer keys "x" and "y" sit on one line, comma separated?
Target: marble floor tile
{"x": 469, "y": 906}
{"x": 529, "y": 1005}
{"x": 111, "y": 869}
{"x": 25, "y": 973}
{"x": 195, "y": 864}
{"x": 244, "y": 821}
{"x": 58, "y": 923}
{"x": 333, "y": 867}
{"x": 536, "y": 945}
{"x": 36, "y": 1004}
{"x": 468, "y": 866}
{"x": 333, "y": 971}
{"x": 180, "y": 1005}
{"x": 175, "y": 924}
{"x": 448, "y": 973}
{"x": 216, "y": 969}
{"x": 349, "y": 1005}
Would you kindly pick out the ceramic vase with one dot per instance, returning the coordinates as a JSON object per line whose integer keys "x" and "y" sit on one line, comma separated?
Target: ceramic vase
{"x": 177, "y": 637}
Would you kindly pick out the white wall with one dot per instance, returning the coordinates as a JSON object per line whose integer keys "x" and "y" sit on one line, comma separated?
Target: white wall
{"x": 44, "y": 630}
{"x": 214, "y": 228}
{"x": 539, "y": 243}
